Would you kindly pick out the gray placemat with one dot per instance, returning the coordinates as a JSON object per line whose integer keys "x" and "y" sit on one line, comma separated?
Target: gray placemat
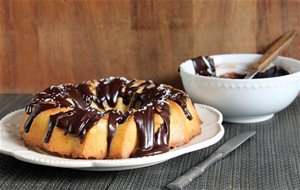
{"x": 270, "y": 160}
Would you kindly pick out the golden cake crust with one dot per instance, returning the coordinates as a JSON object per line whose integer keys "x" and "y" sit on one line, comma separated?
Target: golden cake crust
{"x": 125, "y": 140}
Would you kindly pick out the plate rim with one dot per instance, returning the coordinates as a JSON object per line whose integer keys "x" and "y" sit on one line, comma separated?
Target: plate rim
{"x": 113, "y": 164}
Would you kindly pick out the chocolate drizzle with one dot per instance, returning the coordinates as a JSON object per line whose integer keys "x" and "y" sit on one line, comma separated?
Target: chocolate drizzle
{"x": 115, "y": 117}
{"x": 33, "y": 113}
{"x": 75, "y": 122}
{"x": 108, "y": 91}
{"x": 180, "y": 99}
{"x": 143, "y": 99}
{"x": 145, "y": 124}
{"x": 86, "y": 94}
{"x": 149, "y": 142}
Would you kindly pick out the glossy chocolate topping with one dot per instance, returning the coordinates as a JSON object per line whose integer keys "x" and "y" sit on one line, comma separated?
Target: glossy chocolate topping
{"x": 205, "y": 66}
{"x": 75, "y": 122}
{"x": 33, "y": 113}
{"x": 143, "y": 99}
{"x": 108, "y": 91}
{"x": 151, "y": 143}
{"x": 115, "y": 117}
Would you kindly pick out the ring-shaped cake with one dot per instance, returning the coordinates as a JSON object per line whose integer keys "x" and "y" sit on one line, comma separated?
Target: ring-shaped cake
{"x": 111, "y": 118}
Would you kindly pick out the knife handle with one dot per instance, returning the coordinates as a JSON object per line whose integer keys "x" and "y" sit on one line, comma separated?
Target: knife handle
{"x": 194, "y": 172}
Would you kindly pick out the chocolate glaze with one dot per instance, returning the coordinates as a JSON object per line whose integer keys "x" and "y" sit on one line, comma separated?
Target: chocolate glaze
{"x": 75, "y": 122}
{"x": 204, "y": 65}
{"x": 149, "y": 142}
{"x": 34, "y": 112}
{"x": 86, "y": 94}
{"x": 180, "y": 98}
{"x": 115, "y": 117}
{"x": 144, "y": 100}
{"x": 130, "y": 91}
{"x": 58, "y": 96}
{"x": 108, "y": 91}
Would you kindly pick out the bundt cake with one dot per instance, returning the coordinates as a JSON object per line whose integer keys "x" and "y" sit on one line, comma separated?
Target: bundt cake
{"x": 109, "y": 118}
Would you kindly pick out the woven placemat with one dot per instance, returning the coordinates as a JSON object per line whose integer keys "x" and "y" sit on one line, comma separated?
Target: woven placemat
{"x": 270, "y": 160}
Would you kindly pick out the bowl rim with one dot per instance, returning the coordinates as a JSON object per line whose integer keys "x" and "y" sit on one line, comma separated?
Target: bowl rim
{"x": 180, "y": 69}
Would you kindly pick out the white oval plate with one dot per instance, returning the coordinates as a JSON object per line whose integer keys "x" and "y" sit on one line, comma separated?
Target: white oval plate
{"x": 12, "y": 144}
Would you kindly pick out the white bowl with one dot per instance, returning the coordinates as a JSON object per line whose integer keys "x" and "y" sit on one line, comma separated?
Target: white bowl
{"x": 243, "y": 100}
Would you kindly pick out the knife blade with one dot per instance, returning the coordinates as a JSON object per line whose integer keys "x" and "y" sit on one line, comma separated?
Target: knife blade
{"x": 220, "y": 153}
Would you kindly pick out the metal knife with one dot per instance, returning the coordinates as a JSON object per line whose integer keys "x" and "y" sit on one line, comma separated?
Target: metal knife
{"x": 271, "y": 54}
{"x": 220, "y": 153}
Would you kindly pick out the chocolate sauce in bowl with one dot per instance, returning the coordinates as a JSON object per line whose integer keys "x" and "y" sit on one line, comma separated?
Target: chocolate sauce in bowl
{"x": 144, "y": 100}
{"x": 205, "y": 66}
{"x": 272, "y": 72}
